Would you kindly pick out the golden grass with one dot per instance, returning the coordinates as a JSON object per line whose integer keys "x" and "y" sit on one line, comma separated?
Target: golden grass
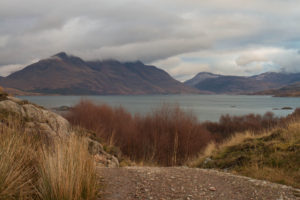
{"x": 235, "y": 139}
{"x": 31, "y": 169}
{"x": 271, "y": 155}
{"x": 68, "y": 171}
{"x": 17, "y": 171}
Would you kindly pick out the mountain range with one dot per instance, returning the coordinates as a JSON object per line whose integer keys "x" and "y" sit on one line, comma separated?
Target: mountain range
{"x": 64, "y": 74}
{"x": 221, "y": 84}
{"x": 292, "y": 90}
{"x": 70, "y": 75}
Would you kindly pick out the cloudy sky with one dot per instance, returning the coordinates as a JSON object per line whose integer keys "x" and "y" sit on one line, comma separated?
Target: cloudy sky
{"x": 184, "y": 37}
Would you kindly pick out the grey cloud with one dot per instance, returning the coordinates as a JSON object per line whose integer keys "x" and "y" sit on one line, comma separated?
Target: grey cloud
{"x": 8, "y": 69}
{"x": 250, "y": 58}
{"x": 146, "y": 30}
{"x": 152, "y": 50}
{"x": 288, "y": 61}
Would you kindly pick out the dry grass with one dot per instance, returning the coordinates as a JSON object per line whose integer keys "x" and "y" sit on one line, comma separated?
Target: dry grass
{"x": 17, "y": 165}
{"x": 238, "y": 138}
{"x": 271, "y": 155}
{"x": 67, "y": 171}
{"x": 30, "y": 170}
{"x": 214, "y": 147}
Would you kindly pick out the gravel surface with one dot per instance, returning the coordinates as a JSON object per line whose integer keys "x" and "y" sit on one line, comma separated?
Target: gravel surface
{"x": 162, "y": 183}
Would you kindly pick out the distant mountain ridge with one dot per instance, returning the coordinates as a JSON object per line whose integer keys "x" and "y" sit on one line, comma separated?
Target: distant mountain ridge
{"x": 201, "y": 77}
{"x": 222, "y": 84}
{"x": 292, "y": 90}
{"x": 70, "y": 75}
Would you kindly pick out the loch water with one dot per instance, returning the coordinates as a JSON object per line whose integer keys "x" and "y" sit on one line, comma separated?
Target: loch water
{"x": 205, "y": 107}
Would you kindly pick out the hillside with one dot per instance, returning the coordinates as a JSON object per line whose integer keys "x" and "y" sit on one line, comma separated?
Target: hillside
{"x": 221, "y": 84}
{"x": 70, "y": 75}
{"x": 272, "y": 155}
{"x": 16, "y": 92}
{"x": 201, "y": 77}
{"x": 287, "y": 91}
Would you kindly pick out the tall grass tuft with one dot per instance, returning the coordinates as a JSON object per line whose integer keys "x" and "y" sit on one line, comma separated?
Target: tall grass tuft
{"x": 68, "y": 171}
{"x": 32, "y": 169}
{"x": 17, "y": 165}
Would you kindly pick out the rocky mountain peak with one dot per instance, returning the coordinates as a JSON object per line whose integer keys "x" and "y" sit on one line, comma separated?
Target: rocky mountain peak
{"x": 62, "y": 55}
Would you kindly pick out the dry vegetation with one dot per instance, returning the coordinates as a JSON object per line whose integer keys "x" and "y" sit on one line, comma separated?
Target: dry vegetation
{"x": 272, "y": 155}
{"x": 30, "y": 169}
{"x": 17, "y": 165}
{"x": 167, "y": 136}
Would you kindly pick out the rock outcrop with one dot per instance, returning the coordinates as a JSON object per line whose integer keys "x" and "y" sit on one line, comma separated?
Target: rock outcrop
{"x": 48, "y": 124}
{"x": 36, "y": 118}
{"x": 103, "y": 158}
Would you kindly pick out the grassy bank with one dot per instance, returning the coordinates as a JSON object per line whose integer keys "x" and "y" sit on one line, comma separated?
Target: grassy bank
{"x": 272, "y": 155}
{"x": 32, "y": 169}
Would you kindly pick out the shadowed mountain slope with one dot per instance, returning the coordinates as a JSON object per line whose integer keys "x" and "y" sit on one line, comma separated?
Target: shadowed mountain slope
{"x": 65, "y": 74}
{"x": 221, "y": 84}
{"x": 292, "y": 90}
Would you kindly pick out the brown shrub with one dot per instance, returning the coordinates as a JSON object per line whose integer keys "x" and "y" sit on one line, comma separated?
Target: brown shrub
{"x": 170, "y": 135}
{"x": 229, "y": 125}
{"x": 167, "y": 136}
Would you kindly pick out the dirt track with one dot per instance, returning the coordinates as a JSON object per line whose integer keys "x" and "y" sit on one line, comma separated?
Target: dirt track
{"x": 182, "y": 183}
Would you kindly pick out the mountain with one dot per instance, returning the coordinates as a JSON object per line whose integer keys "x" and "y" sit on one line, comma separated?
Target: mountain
{"x": 221, "y": 84}
{"x": 201, "y": 77}
{"x": 70, "y": 75}
{"x": 16, "y": 92}
{"x": 292, "y": 90}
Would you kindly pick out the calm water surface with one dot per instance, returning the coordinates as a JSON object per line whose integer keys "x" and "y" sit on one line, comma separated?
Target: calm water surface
{"x": 205, "y": 107}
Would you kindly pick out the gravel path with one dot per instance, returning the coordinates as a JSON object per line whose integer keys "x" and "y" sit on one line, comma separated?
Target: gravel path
{"x": 182, "y": 183}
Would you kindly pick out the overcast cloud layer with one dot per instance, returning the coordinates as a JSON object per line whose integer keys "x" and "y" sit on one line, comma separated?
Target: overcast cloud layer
{"x": 184, "y": 37}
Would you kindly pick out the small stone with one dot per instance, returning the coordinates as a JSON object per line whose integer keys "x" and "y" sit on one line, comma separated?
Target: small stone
{"x": 212, "y": 189}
